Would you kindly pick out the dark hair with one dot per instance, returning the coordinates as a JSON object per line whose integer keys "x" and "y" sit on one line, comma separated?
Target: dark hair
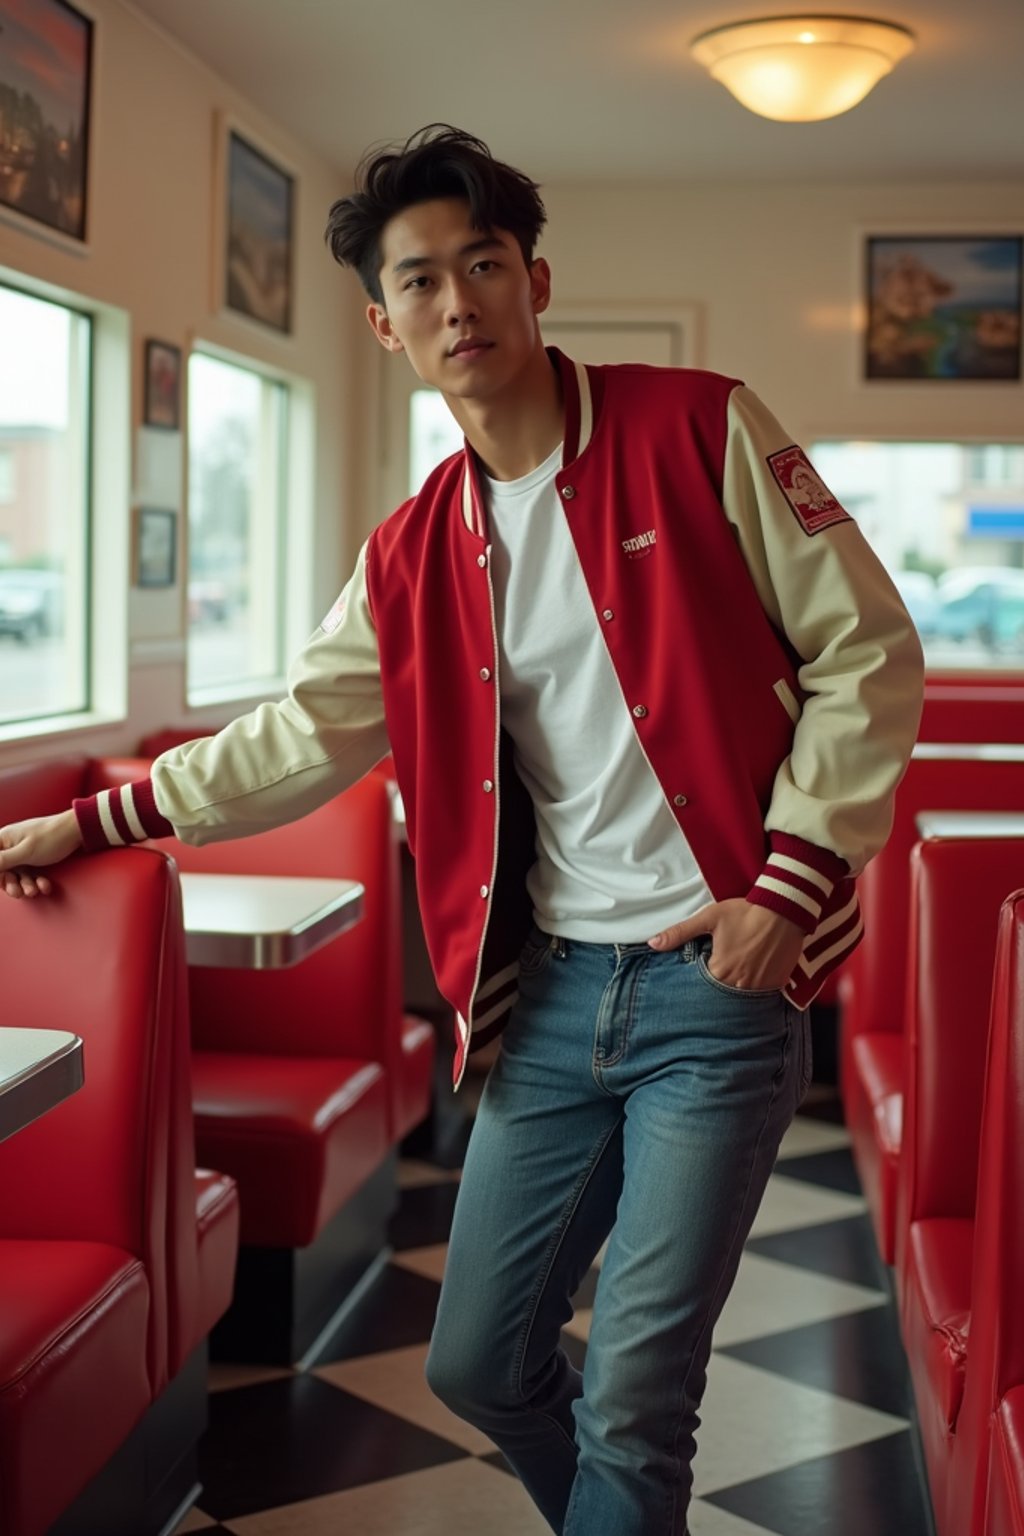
{"x": 438, "y": 161}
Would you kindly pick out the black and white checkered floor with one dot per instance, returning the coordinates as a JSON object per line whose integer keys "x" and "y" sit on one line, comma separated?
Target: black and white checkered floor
{"x": 805, "y": 1429}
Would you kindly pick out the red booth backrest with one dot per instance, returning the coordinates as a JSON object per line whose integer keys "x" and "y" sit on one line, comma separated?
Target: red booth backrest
{"x": 344, "y": 999}
{"x": 93, "y": 959}
{"x": 958, "y": 887}
{"x": 1000, "y": 1217}
{"x": 40, "y": 789}
{"x": 995, "y": 1356}
{"x": 961, "y": 709}
{"x": 876, "y": 971}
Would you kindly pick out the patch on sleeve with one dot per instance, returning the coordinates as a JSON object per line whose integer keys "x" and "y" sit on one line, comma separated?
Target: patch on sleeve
{"x": 812, "y": 502}
{"x": 334, "y": 618}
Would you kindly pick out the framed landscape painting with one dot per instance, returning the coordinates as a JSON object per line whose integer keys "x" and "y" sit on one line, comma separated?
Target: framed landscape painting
{"x": 45, "y": 68}
{"x": 944, "y": 307}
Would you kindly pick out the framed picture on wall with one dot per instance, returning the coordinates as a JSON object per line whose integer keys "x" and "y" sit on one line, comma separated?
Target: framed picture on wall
{"x": 45, "y": 80}
{"x": 156, "y": 546}
{"x": 45, "y": 73}
{"x": 943, "y": 307}
{"x": 163, "y": 385}
{"x": 256, "y": 240}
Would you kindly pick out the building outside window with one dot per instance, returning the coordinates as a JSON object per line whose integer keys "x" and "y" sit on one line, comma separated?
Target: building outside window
{"x": 45, "y": 412}
{"x": 947, "y": 521}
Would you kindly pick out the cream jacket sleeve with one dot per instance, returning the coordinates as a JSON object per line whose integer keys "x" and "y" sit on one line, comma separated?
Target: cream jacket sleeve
{"x": 862, "y": 671}
{"x": 284, "y": 759}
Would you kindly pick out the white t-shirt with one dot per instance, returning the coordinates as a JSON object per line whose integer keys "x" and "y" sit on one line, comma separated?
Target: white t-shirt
{"x": 612, "y": 864}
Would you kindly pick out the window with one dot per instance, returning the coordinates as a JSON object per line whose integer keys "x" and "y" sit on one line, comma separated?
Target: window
{"x": 45, "y": 406}
{"x": 947, "y": 521}
{"x": 6, "y": 480}
{"x": 238, "y": 475}
{"x": 434, "y": 434}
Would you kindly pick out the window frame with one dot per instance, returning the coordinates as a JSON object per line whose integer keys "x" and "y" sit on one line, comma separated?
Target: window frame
{"x": 294, "y": 534}
{"x": 107, "y": 497}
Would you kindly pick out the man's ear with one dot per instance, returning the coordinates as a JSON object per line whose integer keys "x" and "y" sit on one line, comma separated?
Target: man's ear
{"x": 540, "y": 285}
{"x": 380, "y": 325}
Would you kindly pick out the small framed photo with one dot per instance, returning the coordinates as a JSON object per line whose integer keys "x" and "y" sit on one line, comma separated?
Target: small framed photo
{"x": 163, "y": 385}
{"x": 45, "y": 76}
{"x": 156, "y": 547}
{"x": 257, "y": 241}
{"x": 944, "y": 307}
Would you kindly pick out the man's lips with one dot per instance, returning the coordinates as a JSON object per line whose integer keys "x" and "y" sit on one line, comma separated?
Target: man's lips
{"x": 470, "y": 346}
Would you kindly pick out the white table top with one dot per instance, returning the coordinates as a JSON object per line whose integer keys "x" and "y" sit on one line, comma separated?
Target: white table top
{"x": 264, "y": 922}
{"x": 971, "y": 824}
{"x": 969, "y": 751}
{"x": 38, "y": 1068}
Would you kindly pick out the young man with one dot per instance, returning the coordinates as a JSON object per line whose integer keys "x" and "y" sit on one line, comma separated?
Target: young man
{"x": 649, "y": 695}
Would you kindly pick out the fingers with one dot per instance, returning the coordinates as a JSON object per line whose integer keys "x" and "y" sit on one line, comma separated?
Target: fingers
{"x": 19, "y": 883}
{"x": 676, "y": 935}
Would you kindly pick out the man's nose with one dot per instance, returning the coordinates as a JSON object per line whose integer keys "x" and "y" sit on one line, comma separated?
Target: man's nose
{"x": 460, "y": 303}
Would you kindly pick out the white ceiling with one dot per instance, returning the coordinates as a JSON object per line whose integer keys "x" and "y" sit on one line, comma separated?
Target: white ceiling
{"x": 588, "y": 89}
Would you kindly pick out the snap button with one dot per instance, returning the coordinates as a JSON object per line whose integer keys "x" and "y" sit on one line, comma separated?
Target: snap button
{"x": 608, "y": 614}
{"x": 640, "y": 710}
{"x": 568, "y": 492}
{"x": 484, "y": 890}
{"x": 488, "y": 786}
{"x": 679, "y": 800}
{"x": 481, "y": 560}
{"x": 485, "y": 674}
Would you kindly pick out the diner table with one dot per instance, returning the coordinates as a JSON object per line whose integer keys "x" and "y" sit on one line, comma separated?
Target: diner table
{"x": 38, "y": 1069}
{"x": 971, "y": 824}
{"x": 264, "y": 922}
{"x": 968, "y": 751}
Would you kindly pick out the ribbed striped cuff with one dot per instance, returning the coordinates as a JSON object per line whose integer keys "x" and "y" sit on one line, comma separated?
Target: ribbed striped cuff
{"x": 797, "y": 880}
{"x": 114, "y": 817}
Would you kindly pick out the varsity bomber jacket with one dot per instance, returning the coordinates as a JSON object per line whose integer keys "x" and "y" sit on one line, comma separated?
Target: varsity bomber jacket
{"x": 771, "y": 672}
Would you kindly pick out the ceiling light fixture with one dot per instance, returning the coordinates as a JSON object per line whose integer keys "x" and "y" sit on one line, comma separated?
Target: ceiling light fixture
{"x": 798, "y": 69}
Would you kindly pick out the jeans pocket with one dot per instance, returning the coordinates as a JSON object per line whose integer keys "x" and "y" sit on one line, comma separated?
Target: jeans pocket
{"x": 723, "y": 986}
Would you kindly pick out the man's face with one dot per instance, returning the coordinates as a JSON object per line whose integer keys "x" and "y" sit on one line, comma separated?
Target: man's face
{"x": 459, "y": 301}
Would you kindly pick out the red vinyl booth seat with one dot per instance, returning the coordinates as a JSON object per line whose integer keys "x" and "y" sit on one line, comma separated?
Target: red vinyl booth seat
{"x": 203, "y": 1242}
{"x": 354, "y": 993}
{"x": 301, "y": 1134}
{"x": 873, "y": 984}
{"x": 304, "y": 1078}
{"x": 957, "y": 889}
{"x": 87, "y": 1241}
{"x": 1005, "y": 1492}
{"x": 986, "y": 1474}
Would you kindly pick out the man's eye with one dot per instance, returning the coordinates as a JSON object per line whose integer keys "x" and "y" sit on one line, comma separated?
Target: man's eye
{"x": 485, "y": 263}
{"x": 416, "y": 281}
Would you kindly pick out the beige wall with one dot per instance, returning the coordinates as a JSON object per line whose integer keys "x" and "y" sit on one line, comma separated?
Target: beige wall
{"x": 777, "y": 273}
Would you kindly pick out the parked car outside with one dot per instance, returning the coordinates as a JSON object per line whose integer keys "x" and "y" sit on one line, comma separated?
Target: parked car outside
{"x": 984, "y": 604}
{"x": 921, "y": 598}
{"x": 31, "y": 603}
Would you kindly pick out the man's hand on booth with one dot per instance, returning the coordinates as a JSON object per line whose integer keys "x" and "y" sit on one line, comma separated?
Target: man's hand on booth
{"x": 26, "y": 846}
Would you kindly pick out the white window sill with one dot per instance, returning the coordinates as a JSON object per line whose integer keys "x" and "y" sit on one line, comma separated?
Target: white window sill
{"x": 28, "y": 731}
{"x": 254, "y": 692}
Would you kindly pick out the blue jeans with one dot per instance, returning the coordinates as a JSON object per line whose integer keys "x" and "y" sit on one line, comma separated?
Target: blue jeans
{"x": 639, "y": 1099}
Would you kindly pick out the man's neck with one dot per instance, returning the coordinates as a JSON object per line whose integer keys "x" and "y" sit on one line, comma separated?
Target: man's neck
{"x": 514, "y": 432}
